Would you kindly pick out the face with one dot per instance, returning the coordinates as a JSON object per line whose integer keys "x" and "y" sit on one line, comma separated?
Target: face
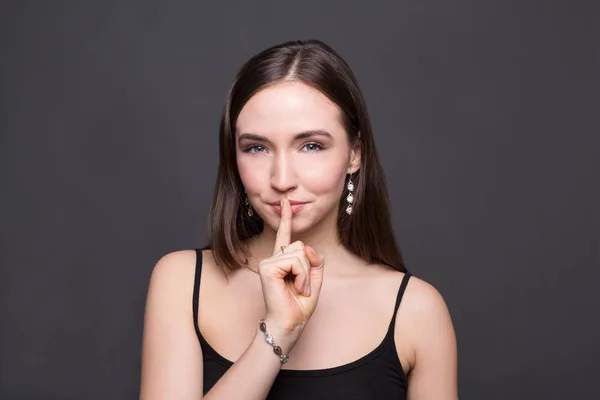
{"x": 291, "y": 144}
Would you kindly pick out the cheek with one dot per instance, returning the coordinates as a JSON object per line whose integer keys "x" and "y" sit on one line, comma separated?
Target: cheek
{"x": 249, "y": 175}
{"x": 322, "y": 182}
{"x": 324, "y": 175}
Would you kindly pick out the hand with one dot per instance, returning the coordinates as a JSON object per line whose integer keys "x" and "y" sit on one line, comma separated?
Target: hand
{"x": 291, "y": 279}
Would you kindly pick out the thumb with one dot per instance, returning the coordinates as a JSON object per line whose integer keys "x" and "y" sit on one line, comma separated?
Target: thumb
{"x": 316, "y": 260}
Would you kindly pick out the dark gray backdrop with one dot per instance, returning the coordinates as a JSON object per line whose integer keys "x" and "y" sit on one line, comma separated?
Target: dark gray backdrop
{"x": 486, "y": 118}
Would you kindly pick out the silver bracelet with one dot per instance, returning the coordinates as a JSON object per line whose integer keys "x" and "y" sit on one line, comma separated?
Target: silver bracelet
{"x": 269, "y": 339}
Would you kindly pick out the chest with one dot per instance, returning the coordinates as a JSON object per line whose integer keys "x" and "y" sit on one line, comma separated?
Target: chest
{"x": 352, "y": 319}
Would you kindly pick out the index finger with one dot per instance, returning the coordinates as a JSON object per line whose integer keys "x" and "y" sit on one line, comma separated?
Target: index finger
{"x": 284, "y": 233}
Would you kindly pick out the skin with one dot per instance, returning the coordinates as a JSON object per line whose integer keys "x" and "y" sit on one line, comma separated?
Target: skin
{"x": 276, "y": 165}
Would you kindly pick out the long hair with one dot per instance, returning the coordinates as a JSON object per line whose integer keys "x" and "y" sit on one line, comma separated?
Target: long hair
{"x": 367, "y": 232}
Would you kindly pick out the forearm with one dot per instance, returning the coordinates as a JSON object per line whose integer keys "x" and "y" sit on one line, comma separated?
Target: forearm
{"x": 253, "y": 374}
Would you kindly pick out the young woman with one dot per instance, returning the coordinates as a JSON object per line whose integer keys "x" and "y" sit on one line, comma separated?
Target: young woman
{"x": 301, "y": 292}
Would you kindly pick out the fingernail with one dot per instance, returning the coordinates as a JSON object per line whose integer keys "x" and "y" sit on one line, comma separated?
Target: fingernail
{"x": 311, "y": 250}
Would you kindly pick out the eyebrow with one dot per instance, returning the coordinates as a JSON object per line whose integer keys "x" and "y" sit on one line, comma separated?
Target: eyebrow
{"x": 298, "y": 136}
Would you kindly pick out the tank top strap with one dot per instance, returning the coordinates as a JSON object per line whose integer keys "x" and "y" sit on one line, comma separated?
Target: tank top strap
{"x": 196, "y": 293}
{"x": 401, "y": 290}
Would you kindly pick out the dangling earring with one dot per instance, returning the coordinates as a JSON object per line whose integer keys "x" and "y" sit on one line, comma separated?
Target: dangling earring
{"x": 350, "y": 197}
{"x": 250, "y": 211}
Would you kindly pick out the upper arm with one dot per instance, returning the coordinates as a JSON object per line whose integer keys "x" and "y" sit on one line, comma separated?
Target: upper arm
{"x": 171, "y": 354}
{"x": 434, "y": 374}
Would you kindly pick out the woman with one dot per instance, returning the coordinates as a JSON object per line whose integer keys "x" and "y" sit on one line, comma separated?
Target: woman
{"x": 299, "y": 219}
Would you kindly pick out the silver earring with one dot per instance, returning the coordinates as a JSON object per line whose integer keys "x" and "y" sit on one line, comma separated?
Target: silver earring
{"x": 350, "y": 197}
{"x": 250, "y": 211}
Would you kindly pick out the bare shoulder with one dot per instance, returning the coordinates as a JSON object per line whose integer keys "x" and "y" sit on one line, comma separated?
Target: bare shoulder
{"x": 419, "y": 296}
{"x": 421, "y": 305}
{"x": 422, "y": 300}
{"x": 174, "y": 265}
{"x": 425, "y": 333}
{"x": 173, "y": 275}
{"x": 169, "y": 339}
{"x": 175, "y": 272}
{"x": 424, "y": 310}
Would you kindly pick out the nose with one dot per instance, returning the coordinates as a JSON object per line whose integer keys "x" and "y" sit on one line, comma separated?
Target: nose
{"x": 283, "y": 175}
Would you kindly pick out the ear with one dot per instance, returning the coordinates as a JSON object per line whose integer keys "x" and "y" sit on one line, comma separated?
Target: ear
{"x": 355, "y": 156}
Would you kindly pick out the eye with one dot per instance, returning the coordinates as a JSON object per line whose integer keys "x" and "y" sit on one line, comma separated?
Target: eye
{"x": 313, "y": 146}
{"x": 254, "y": 148}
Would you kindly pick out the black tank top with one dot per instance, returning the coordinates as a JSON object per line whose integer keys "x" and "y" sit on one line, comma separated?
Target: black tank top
{"x": 377, "y": 375}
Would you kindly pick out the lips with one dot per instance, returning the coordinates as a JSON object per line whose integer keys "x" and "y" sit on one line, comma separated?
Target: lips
{"x": 296, "y": 206}
{"x": 292, "y": 202}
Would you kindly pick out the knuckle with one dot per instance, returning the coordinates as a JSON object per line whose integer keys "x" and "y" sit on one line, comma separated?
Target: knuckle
{"x": 297, "y": 245}
{"x": 293, "y": 248}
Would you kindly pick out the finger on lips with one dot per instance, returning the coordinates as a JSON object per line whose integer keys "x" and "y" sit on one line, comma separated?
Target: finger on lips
{"x": 285, "y": 226}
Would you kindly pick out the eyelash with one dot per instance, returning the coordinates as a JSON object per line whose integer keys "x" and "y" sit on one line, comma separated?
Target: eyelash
{"x": 319, "y": 147}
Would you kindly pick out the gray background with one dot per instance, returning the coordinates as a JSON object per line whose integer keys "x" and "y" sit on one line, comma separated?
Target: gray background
{"x": 485, "y": 115}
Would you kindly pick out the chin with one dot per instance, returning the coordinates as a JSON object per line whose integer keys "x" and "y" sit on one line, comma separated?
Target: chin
{"x": 300, "y": 227}
{"x": 300, "y": 224}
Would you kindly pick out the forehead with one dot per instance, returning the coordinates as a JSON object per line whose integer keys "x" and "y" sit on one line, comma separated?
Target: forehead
{"x": 289, "y": 107}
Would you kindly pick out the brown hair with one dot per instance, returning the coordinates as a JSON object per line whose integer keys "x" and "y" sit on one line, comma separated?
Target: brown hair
{"x": 367, "y": 232}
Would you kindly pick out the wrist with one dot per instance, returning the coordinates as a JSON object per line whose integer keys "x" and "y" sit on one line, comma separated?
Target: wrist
{"x": 283, "y": 327}
{"x": 280, "y": 339}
